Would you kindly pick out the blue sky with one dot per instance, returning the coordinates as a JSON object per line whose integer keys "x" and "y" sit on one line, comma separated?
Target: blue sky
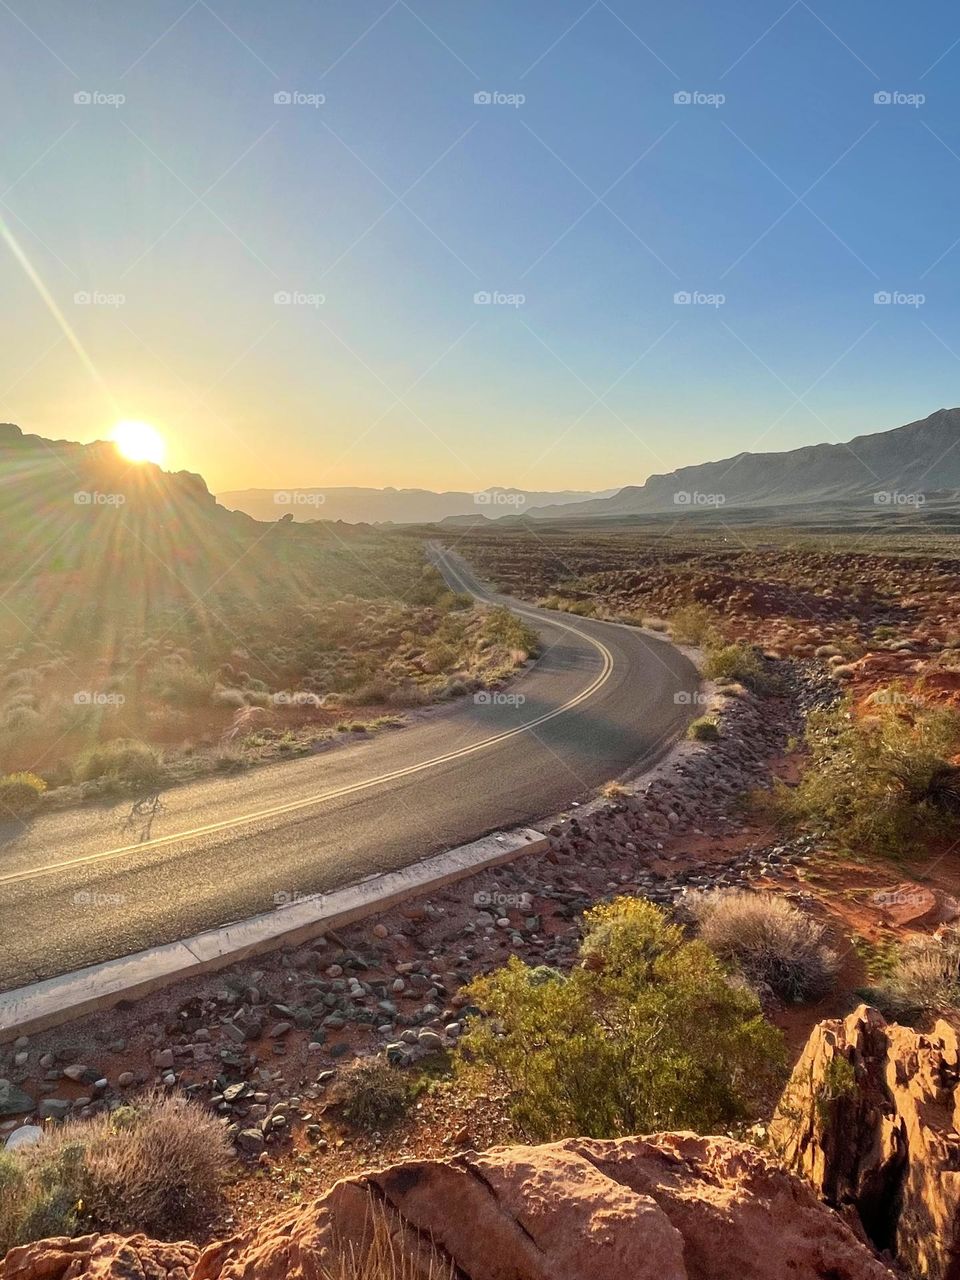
{"x": 782, "y": 198}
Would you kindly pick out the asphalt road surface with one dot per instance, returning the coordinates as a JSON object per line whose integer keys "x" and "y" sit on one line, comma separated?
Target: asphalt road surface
{"x": 90, "y": 884}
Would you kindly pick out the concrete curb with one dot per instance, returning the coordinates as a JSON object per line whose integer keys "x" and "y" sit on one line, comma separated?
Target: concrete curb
{"x": 47, "y": 1004}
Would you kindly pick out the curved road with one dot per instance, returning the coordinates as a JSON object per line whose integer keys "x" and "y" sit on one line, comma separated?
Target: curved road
{"x": 86, "y": 885}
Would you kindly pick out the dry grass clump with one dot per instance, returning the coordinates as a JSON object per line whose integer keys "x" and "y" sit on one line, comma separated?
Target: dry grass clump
{"x": 768, "y": 939}
{"x": 924, "y": 978}
{"x": 386, "y": 1253}
{"x": 156, "y": 1166}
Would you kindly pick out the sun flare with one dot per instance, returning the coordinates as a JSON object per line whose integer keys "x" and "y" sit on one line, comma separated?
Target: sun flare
{"x": 139, "y": 442}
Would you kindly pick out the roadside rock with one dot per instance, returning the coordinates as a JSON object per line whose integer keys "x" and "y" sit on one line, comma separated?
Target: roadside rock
{"x": 871, "y": 1116}
{"x": 671, "y": 1207}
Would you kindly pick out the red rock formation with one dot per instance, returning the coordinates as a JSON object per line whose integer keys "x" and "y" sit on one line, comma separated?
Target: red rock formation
{"x": 871, "y": 1117}
{"x": 670, "y": 1207}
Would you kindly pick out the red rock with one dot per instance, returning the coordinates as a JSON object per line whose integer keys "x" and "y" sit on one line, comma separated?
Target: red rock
{"x": 669, "y": 1207}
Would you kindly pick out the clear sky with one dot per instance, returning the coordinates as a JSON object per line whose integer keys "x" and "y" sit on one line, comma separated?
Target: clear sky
{"x": 583, "y": 187}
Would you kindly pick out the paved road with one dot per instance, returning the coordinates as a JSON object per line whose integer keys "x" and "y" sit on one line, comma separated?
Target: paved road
{"x": 87, "y": 885}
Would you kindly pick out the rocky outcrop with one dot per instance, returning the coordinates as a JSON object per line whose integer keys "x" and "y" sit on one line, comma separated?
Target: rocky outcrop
{"x": 670, "y": 1207}
{"x": 100, "y": 1258}
{"x": 871, "y": 1118}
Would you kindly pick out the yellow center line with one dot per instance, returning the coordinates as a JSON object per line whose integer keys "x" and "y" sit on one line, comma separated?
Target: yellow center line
{"x": 293, "y": 805}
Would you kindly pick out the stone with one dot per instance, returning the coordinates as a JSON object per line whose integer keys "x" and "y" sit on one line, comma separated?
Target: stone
{"x": 126, "y": 1079}
{"x": 13, "y": 1101}
{"x": 27, "y": 1135}
{"x": 53, "y": 1108}
{"x": 163, "y": 1059}
{"x": 251, "y": 1140}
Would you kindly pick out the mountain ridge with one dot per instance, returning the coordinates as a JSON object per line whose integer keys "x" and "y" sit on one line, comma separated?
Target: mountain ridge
{"x": 898, "y": 466}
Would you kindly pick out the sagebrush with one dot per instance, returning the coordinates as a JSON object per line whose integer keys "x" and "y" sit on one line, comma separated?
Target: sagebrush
{"x": 769, "y": 940}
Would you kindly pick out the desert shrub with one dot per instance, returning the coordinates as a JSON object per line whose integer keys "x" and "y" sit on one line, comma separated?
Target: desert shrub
{"x": 924, "y": 978}
{"x": 692, "y": 624}
{"x": 122, "y": 760}
{"x": 183, "y": 686}
{"x": 743, "y": 664}
{"x": 768, "y": 939}
{"x": 500, "y": 626}
{"x": 156, "y": 1166}
{"x": 885, "y": 784}
{"x": 646, "y": 1033}
{"x": 374, "y": 1094}
{"x": 20, "y": 793}
{"x": 704, "y": 730}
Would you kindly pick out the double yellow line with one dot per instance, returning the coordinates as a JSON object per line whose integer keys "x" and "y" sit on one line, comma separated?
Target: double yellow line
{"x": 294, "y": 805}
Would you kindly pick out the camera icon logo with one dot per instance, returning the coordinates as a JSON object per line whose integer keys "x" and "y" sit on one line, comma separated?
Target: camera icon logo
{"x": 483, "y": 99}
{"x": 683, "y": 98}
{"x": 283, "y": 98}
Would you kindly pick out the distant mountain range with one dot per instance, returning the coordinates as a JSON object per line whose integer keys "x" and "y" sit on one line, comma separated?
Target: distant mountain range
{"x": 394, "y": 506}
{"x": 899, "y": 468}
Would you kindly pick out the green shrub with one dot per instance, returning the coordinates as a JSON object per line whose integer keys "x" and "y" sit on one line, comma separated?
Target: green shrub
{"x": 156, "y": 1166}
{"x": 20, "y": 793}
{"x": 374, "y": 1094}
{"x": 123, "y": 760}
{"x": 768, "y": 939}
{"x": 692, "y": 624}
{"x": 886, "y": 784}
{"x": 704, "y": 730}
{"x": 646, "y": 1034}
{"x": 743, "y": 664}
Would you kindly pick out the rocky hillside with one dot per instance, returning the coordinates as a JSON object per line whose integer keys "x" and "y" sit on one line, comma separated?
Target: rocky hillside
{"x": 919, "y": 458}
{"x": 669, "y": 1207}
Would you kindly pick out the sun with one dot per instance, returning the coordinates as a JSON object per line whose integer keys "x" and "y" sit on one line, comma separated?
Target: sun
{"x": 139, "y": 442}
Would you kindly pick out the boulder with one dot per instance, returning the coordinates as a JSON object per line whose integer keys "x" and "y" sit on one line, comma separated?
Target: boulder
{"x": 871, "y": 1117}
{"x": 670, "y": 1207}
